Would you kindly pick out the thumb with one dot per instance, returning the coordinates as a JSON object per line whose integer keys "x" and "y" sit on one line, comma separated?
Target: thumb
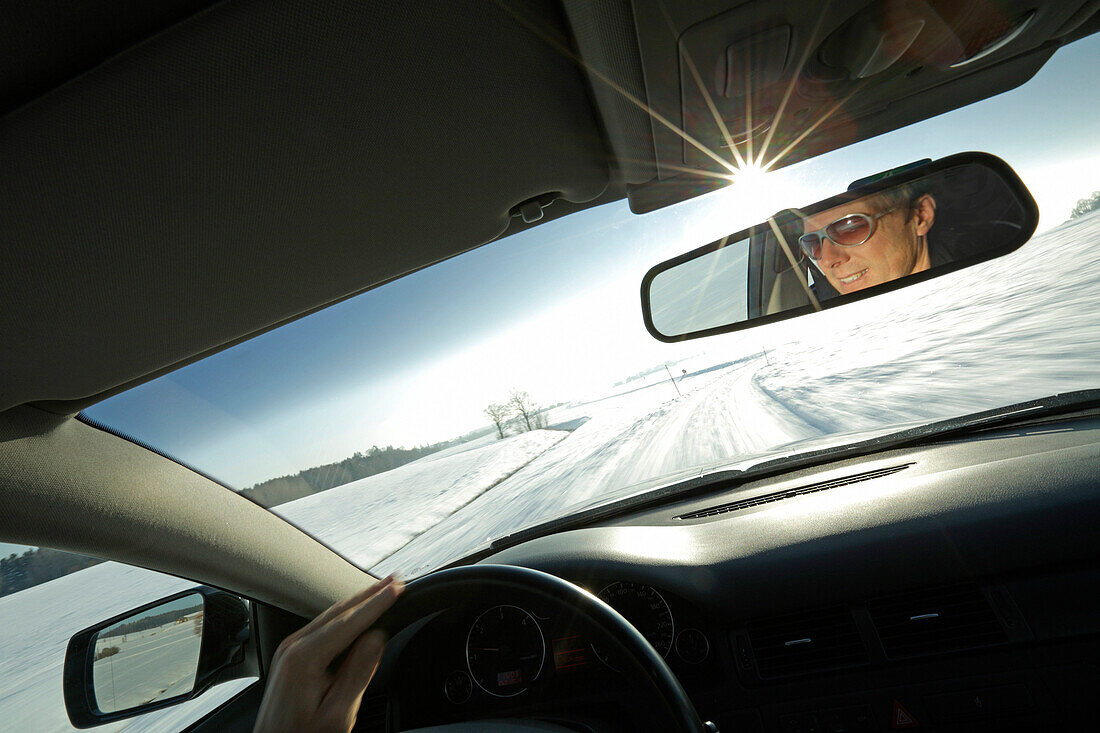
{"x": 351, "y": 680}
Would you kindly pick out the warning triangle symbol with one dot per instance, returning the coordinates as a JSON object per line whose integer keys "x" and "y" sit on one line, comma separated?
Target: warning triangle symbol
{"x": 902, "y": 718}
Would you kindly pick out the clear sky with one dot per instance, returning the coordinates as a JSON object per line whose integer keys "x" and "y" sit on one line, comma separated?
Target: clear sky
{"x": 553, "y": 311}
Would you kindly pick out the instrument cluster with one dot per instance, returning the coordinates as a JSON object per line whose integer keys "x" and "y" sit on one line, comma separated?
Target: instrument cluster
{"x": 509, "y": 648}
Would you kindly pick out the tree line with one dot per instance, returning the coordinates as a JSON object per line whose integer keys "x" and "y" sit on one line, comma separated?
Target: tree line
{"x": 152, "y": 621}
{"x": 321, "y": 478}
{"x": 19, "y": 572}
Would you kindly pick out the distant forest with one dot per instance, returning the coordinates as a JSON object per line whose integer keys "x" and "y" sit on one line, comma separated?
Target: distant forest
{"x": 151, "y": 622}
{"x": 18, "y": 572}
{"x": 360, "y": 465}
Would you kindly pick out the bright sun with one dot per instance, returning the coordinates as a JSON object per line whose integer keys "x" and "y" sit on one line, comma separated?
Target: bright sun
{"x": 749, "y": 174}
{"x": 754, "y": 192}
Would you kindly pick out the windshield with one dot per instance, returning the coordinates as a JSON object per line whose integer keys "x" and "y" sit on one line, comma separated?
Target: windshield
{"x": 411, "y": 425}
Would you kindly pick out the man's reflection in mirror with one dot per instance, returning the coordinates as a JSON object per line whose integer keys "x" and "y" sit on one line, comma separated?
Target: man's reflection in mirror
{"x": 871, "y": 240}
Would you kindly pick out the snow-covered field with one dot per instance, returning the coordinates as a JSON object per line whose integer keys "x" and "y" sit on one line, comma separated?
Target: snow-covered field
{"x": 1017, "y": 328}
{"x": 35, "y": 626}
{"x": 394, "y": 507}
{"x": 154, "y": 664}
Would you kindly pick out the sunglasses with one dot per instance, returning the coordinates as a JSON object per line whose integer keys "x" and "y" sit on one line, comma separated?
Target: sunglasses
{"x": 849, "y": 230}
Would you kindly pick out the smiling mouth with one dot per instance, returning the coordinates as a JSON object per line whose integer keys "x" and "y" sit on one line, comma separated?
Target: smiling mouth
{"x": 852, "y": 278}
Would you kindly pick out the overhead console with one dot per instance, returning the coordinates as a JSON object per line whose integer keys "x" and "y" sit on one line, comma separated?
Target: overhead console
{"x": 773, "y": 83}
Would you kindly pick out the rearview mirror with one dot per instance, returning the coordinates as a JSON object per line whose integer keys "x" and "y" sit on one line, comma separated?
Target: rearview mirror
{"x": 156, "y": 656}
{"x": 886, "y": 231}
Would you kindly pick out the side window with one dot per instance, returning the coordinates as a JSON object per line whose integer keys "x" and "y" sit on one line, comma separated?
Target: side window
{"x": 47, "y": 596}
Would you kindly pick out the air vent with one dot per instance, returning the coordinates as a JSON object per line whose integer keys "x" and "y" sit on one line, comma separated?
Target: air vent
{"x": 372, "y": 714}
{"x": 935, "y": 621}
{"x": 734, "y": 506}
{"x": 806, "y": 642}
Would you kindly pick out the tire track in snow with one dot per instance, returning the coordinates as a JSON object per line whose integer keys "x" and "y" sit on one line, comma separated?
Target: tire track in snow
{"x": 471, "y": 500}
{"x": 726, "y": 416}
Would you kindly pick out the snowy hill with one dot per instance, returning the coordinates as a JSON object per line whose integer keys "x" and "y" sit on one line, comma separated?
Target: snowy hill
{"x": 368, "y": 519}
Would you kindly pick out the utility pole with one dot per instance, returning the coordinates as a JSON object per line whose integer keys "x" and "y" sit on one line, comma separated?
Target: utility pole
{"x": 673, "y": 381}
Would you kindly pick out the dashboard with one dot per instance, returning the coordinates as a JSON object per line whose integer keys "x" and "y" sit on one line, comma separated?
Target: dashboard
{"x": 944, "y": 587}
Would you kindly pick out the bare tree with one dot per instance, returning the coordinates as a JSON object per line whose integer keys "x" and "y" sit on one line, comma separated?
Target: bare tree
{"x": 499, "y": 415}
{"x": 524, "y": 408}
{"x": 539, "y": 419}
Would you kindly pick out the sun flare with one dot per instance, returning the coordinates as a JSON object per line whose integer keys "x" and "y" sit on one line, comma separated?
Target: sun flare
{"x": 749, "y": 174}
{"x": 757, "y": 193}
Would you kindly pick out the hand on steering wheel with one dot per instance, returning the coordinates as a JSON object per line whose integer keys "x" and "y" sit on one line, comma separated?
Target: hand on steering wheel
{"x": 303, "y": 691}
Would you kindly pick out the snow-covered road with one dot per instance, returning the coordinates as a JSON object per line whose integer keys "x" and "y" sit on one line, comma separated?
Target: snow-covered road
{"x": 646, "y": 433}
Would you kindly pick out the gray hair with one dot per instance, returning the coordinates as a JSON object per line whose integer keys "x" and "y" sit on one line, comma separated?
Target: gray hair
{"x": 900, "y": 196}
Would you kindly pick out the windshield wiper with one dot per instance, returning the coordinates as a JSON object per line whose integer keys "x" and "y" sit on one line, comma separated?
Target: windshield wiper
{"x": 1020, "y": 413}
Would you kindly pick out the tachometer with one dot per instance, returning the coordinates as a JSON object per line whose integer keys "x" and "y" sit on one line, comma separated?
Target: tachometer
{"x": 645, "y": 609}
{"x": 505, "y": 650}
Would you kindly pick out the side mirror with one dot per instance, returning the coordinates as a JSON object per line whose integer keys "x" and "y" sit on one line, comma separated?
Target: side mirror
{"x": 885, "y": 232}
{"x": 156, "y": 656}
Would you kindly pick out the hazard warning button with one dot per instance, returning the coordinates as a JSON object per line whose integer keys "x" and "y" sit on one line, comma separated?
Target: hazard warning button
{"x": 902, "y": 718}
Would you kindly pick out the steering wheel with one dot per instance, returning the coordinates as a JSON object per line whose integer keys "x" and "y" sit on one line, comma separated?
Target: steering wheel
{"x": 432, "y": 593}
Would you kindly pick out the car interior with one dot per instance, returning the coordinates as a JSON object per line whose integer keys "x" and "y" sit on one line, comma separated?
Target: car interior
{"x": 182, "y": 176}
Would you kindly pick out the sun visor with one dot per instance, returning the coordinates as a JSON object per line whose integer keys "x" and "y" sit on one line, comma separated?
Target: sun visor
{"x": 258, "y": 161}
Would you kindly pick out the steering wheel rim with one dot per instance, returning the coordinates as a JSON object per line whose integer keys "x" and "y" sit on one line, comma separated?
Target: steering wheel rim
{"x": 431, "y": 593}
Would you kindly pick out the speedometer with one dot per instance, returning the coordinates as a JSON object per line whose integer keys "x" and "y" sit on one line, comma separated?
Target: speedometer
{"x": 505, "y": 650}
{"x": 645, "y": 609}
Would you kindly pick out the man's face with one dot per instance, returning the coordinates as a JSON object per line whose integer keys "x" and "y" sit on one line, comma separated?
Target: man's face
{"x": 896, "y": 248}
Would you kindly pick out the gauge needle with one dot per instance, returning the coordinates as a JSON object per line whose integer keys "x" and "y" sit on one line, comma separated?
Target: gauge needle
{"x": 483, "y": 649}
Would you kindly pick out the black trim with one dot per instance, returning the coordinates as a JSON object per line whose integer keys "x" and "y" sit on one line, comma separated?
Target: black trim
{"x": 755, "y": 501}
